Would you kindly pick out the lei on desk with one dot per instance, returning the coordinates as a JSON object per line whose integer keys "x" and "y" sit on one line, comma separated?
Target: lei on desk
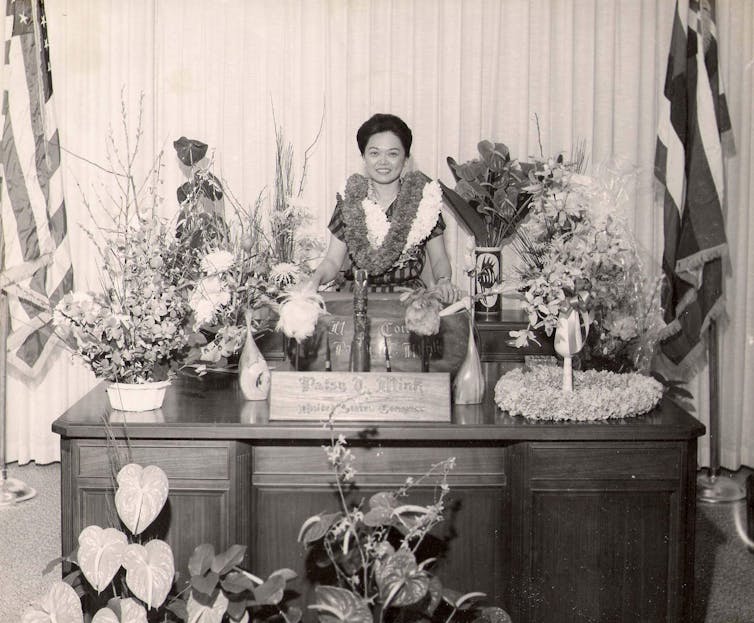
{"x": 377, "y": 244}
{"x": 537, "y": 393}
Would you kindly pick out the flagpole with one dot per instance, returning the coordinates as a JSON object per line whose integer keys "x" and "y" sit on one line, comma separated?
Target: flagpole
{"x": 12, "y": 490}
{"x": 713, "y": 487}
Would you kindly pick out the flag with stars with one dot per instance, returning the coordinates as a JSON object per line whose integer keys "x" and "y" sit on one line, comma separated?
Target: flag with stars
{"x": 693, "y": 133}
{"x": 36, "y": 265}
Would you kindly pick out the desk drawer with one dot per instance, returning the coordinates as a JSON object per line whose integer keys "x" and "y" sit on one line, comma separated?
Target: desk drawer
{"x": 189, "y": 460}
{"x": 476, "y": 465}
{"x": 605, "y": 461}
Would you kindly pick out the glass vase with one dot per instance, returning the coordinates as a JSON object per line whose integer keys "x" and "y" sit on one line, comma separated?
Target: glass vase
{"x": 468, "y": 385}
{"x": 253, "y": 371}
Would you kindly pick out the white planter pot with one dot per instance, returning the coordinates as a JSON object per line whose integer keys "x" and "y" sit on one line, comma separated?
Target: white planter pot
{"x": 137, "y": 396}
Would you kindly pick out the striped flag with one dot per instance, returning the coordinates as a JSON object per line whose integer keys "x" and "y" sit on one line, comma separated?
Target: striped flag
{"x": 36, "y": 268}
{"x": 694, "y": 125}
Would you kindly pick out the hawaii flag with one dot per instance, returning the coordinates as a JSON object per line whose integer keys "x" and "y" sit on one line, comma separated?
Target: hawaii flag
{"x": 693, "y": 125}
{"x": 36, "y": 265}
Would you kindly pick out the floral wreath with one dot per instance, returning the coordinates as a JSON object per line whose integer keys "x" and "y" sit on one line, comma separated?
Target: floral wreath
{"x": 536, "y": 393}
{"x": 375, "y": 243}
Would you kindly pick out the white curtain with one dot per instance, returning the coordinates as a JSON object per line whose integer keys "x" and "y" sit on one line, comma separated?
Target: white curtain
{"x": 522, "y": 72}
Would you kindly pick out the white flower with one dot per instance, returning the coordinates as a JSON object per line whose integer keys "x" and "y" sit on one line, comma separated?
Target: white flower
{"x": 210, "y": 294}
{"x": 426, "y": 214}
{"x": 299, "y": 312}
{"x": 376, "y": 221}
{"x": 217, "y": 262}
{"x": 284, "y": 274}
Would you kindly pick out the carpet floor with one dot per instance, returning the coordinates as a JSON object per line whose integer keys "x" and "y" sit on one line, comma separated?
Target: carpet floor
{"x": 30, "y": 540}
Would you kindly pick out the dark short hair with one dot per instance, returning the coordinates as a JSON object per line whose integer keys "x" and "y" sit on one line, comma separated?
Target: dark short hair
{"x": 382, "y": 122}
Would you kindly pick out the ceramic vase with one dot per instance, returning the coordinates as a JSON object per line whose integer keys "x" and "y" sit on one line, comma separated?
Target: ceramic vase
{"x": 489, "y": 270}
{"x": 137, "y": 396}
{"x": 253, "y": 371}
{"x": 468, "y": 385}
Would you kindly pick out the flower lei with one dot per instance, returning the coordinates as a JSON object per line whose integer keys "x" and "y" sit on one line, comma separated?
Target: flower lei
{"x": 375, "y": 243}
{"x": 537, "y": 394}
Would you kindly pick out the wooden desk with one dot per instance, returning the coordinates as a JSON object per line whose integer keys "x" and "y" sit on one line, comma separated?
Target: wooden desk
{"x": 554, "y": 521}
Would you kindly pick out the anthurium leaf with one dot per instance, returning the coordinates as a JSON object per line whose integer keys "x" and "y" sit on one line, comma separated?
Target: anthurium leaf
{"x": 225, "y": 561}
{"x": 236, "y": 582}
{"x": 206, "y": 583}
{"x": 121, "y": 611}
{"x": 201, "y": 559}
{"x": 400, "y": 569}
{"x": 338, "y": 604}
{"x": 105, "y": 615}
{"x": 141, "y": 494}
{"x": 271, "y": 592}
{"x": 285, "y": 573}
{"x": 472, "y": 222}
{"x": 464, "y": 601}
{"x": 100, "y": 554}
{"x": 316, "y": 527}
{"x": 237, "y": 609}
{"x": 149, "y": 571}
{"x": 60, "y": 603}
{"x": 492, "y": 615}
{"x": 206, "y": 608}
{"x": 212, "y": 187}
{"x": 183, "y": 191}
{"x": 189, "y": 151}
{"x": 293, "y": 614}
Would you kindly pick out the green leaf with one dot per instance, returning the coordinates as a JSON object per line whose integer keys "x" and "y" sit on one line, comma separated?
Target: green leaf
{"x": 338, "y": 604}
{"x": 205, "y": 584}
{"x": 271, "y": 592}
{"x": 492, "y": 615}
{"x": 211, "y": 187}
{"x": 190, "y": 151}
{"x": 400, "y": 570}
{"x": 236, "y": 582}
{"x": 225, "y": 561}
{"x": 316, "y": 527}
{"x": 201, "y": 559}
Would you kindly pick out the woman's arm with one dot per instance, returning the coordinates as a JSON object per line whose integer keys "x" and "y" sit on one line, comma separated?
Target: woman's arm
{"x": 330, "y": 265}
{"x": 441, "y": 271}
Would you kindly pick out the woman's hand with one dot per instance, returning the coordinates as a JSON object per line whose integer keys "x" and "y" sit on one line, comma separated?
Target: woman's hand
{"x": 447, "y": 291}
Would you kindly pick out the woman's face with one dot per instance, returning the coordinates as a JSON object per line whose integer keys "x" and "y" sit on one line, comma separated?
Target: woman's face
{"x": 384, "y": 157}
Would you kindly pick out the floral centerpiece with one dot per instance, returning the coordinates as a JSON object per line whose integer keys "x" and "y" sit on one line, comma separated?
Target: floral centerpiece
{"x": 576, "y": 255}
{"x": 136, "y": 329}
{"x": 490, "y": 194}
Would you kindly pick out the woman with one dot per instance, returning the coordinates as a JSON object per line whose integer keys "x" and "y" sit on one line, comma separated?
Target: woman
{"x": 388, "y": 221}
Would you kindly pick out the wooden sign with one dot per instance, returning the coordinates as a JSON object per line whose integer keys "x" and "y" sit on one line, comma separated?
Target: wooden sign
{"x": 361, "y": 396}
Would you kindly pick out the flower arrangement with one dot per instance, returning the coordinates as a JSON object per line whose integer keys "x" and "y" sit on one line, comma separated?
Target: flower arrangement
{"x": 576, "y": 255}
{"x": 136, "y": 329}
{"x": 490, "y": 194}
{"x": 537, "y": 393}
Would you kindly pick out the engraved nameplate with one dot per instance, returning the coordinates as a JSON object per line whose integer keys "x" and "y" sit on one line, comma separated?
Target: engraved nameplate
{"x": 361, "y": 396}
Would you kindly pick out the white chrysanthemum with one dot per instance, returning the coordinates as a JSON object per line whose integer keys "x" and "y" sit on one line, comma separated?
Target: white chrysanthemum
{"x": 210, "y": 294}
{"x": 217, "y": 262}
{"x": 426, "y": 214}
{"x": 284, "y": 274}
{"x": 376, "y": 221}
{"x": 299, "y": 312}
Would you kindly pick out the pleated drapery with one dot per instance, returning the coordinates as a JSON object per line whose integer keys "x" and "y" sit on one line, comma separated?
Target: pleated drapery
{"x": 524, "y": 72}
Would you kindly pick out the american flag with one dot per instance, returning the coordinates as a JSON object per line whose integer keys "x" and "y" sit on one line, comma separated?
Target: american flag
{"x": 693, "y": 128}
{"x": 36, "y": 268}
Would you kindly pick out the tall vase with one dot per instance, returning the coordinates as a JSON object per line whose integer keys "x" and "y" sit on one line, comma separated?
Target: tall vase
{"x": 468, "y": 385}
{"x": 253, "y": 371}
{"x": 489, "y": 270}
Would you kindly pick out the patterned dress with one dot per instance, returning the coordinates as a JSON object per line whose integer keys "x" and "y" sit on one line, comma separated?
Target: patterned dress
{"x": 407, "y": 274}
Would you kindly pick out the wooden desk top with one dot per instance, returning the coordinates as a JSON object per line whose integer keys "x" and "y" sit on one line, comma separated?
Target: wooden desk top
{"x": 194, "y": 409}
